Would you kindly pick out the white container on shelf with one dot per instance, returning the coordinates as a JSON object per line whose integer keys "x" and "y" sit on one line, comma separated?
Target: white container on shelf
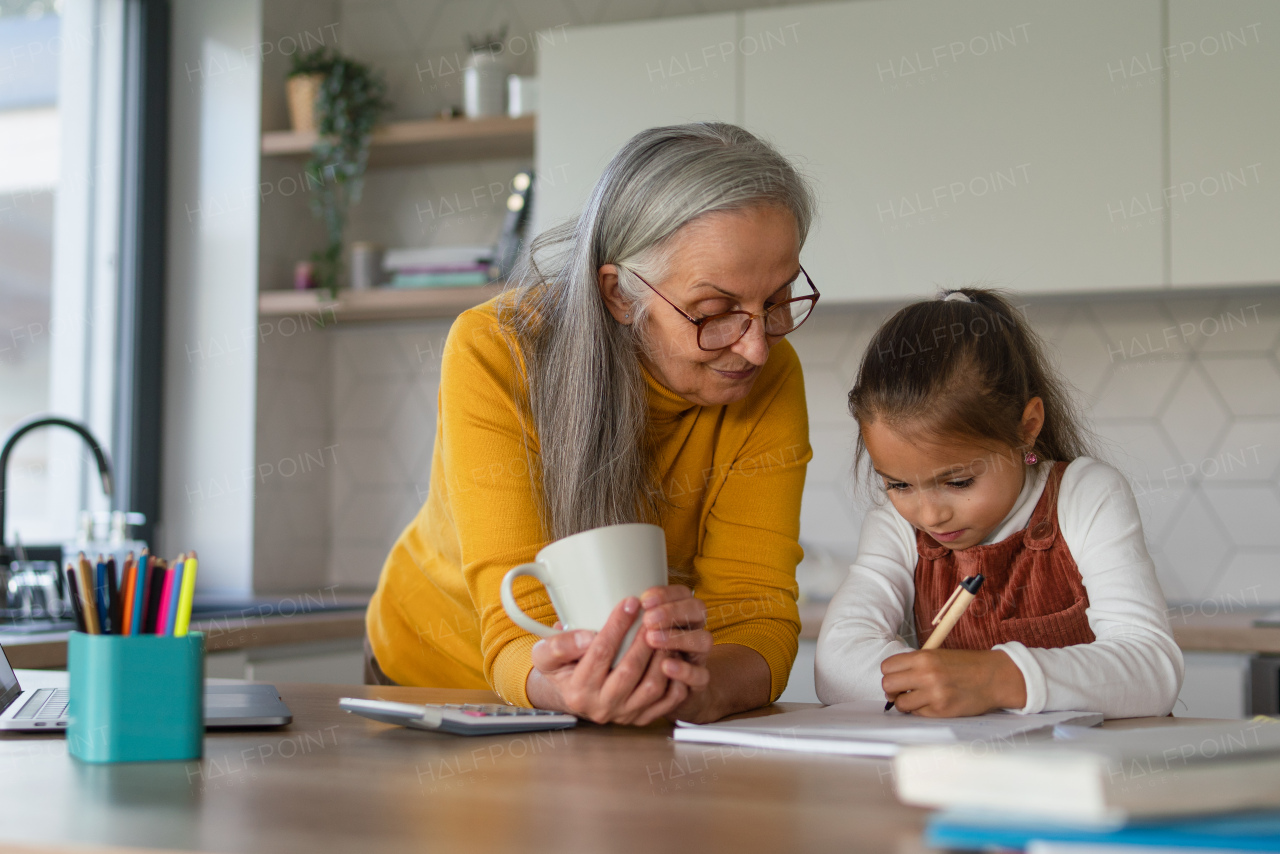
{"x": 522, "y": 96}
{"x": 484, "y": 86}
{"x": 366, "y": 265}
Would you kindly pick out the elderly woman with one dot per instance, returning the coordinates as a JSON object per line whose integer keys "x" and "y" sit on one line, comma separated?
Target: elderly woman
{"x": 636, "y": 372}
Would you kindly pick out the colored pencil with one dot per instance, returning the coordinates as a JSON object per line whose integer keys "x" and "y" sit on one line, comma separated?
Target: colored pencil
{"x": 175, "y": 592}
{"x": 162, "y": 613}
{"x": 88, "y": 597}
{"x": 73, "y": 591}
{"x": 186, "y": 598}
{"x": 127, "y": 589}
{"x": 142, "y": 583}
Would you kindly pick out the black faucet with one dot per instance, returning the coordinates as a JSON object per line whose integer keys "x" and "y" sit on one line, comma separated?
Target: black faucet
{"x": 24, "y": 427}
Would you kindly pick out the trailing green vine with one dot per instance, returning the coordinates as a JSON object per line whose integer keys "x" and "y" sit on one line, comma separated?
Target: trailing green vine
{"x": 352, "y": 100}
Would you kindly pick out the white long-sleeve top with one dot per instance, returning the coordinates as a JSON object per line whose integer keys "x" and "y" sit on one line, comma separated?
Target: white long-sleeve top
{"x": 1132, "y": 669}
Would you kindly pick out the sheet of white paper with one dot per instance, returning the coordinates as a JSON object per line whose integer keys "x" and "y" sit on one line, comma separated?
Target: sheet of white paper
{"x": 850, "y": 727}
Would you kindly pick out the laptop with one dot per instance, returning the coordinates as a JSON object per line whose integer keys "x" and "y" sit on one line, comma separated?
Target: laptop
{"x": 225, "y": 706}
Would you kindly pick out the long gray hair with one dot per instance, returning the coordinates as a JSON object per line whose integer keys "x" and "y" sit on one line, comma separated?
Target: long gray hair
{"x": 585, "y": 391}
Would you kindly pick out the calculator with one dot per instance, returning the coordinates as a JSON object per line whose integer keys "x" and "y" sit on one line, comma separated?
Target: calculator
{"x": 459, "y": 719}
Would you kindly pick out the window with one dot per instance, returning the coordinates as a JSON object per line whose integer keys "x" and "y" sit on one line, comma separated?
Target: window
{"x": 79, "y": 123}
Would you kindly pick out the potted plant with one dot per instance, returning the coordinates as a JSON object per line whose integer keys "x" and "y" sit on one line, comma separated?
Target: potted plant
{"x": 349, "y": 102}
{"x": 306, "y": 72}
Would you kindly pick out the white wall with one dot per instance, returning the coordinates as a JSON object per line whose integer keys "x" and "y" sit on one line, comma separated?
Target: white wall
{"x": 1182, "y": 387}
{"x": 211, "y": 301}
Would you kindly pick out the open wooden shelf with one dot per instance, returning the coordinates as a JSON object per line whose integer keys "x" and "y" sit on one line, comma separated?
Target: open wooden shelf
{"x": 424, "y": 141}
{"x": 374, "y": 304}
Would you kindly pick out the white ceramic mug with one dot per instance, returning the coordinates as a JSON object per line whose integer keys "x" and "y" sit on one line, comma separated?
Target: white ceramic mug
{"x": 586, "y": 575}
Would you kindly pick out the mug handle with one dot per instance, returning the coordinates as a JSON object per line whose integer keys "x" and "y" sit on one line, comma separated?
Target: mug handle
{"x": 519, "y": 617}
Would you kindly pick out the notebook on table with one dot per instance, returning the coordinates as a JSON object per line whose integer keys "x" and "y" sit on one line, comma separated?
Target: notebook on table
{"x": 864, "y": 728}
{"x": 225, "y": 706}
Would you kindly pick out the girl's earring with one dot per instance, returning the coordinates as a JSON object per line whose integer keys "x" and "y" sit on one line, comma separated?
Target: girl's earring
{"x": 1030, "y": 458}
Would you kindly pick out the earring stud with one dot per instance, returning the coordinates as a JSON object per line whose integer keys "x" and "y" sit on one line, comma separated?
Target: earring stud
{"x": 1030, "y": 458}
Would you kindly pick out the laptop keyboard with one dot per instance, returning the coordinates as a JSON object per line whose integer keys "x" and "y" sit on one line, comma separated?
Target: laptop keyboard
{"x": 45, "y": 704}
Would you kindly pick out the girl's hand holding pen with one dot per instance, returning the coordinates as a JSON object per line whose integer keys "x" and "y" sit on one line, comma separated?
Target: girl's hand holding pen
{"x": 948, "y": 683}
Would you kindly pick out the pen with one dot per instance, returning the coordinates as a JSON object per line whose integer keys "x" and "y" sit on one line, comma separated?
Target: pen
{"x": 155, "y": 588}
{"x": 113, "y": 598}
{"x": 948, "y": 615}
{"x": 73, "y": 591}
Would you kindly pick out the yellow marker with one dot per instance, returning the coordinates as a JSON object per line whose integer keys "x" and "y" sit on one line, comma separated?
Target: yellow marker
{"x": 182, "y": 621}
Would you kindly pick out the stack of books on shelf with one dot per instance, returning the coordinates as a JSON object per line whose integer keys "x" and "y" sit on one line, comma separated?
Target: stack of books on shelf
{"x": 1194, "y": 788}
{"x": 441, "y": 267}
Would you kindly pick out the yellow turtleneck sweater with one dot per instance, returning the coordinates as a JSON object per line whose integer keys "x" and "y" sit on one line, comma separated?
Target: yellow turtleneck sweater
{"x": 732, "y": 476}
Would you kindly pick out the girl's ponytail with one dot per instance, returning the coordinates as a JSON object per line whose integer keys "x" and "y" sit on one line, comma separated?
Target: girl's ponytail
{"x": 965, "y": 365}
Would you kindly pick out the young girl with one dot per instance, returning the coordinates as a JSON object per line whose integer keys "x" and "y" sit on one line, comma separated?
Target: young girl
{"x": 984, "y": 463}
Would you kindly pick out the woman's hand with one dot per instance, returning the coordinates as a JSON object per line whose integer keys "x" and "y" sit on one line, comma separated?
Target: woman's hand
{"x": 676, "y": 622}
{"x": 571, "y": 673}
{"x": 951, "y": 683}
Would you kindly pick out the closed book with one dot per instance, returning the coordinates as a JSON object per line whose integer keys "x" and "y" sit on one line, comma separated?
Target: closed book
{"x": 1254, "y": 831}
{"x": 445, "y": 268}
{"x": 437, "y": 256}
{"x": 1102, "y": 777}
{"x": 439, "y": 280}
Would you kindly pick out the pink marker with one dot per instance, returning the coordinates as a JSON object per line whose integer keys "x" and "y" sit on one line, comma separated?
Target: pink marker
{"x": 166, "y": 593}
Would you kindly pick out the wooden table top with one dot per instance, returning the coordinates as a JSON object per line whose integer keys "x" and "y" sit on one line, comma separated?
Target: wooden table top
{"x": 332, "y": 781}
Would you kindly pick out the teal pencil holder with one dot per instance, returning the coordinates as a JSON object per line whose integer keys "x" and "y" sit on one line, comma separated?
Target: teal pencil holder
{"x": 135, "y": 698}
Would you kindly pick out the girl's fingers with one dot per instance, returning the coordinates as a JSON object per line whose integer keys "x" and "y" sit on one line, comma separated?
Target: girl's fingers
{"x": 913, "y": 701}
{"x": 897, "y": 683}
{"x": 896, "y": 663}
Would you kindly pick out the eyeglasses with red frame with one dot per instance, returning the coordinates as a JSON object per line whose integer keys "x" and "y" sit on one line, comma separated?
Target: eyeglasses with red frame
{"x": 718, "y": 331}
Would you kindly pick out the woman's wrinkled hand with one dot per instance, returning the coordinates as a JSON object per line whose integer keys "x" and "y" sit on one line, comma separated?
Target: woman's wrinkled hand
{"x": 676, "y": 622}
{"x": 572, "y": 674}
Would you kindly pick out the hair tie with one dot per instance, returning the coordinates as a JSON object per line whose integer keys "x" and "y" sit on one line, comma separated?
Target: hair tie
{"x": 957, "y": 296}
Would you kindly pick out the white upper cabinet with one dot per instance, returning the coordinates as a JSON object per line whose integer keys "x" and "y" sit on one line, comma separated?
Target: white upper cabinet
{"x": 992, "y": 141}
{"x": 1223, "y": 199}
{"x": 602, "y": 85}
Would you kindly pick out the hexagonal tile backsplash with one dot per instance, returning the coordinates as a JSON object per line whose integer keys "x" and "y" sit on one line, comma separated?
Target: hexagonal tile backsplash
{"x": 1183, "y": 391}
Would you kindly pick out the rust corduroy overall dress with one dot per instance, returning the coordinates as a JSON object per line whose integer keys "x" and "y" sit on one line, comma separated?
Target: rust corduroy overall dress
{"x": 1033, "y": 592}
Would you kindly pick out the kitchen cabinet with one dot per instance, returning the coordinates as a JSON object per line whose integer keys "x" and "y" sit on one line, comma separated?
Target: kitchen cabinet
{"x": 1223, "y": 195}
{"x": 989, "y": 142}
{"x": 605, "y": 84}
